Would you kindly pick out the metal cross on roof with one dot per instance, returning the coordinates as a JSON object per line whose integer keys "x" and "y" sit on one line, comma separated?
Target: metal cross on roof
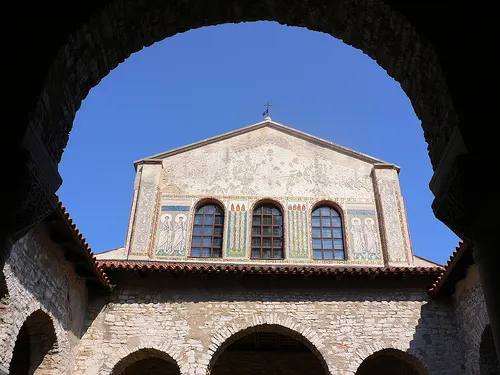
{"x": 266, "y": 112}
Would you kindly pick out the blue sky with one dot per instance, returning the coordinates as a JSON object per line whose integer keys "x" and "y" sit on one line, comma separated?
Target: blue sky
{"x": 212, "y": 80}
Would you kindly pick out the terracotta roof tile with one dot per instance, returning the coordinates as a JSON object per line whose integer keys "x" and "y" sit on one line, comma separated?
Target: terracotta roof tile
{"x": 83, "y": 242}
{"x": 461, "y": 249}
{"x": 121, "y": 265}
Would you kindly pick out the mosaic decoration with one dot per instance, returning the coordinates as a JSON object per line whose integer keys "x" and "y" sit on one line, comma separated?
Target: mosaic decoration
{"x": 144, "y": 220}
{"x": 237, "y": 229}
{"x": 297, "y": 233}
{"x": 363, "y": 233}
{"x": 172, "y": 230}
{"x": 393, "y": 221}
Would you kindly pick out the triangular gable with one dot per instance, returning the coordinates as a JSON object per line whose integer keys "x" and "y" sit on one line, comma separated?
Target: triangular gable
{"x": 273, "y": 125}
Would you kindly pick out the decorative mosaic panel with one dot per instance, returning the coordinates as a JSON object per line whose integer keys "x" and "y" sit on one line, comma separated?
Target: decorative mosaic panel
{"x": 392, "y": 220}
{"x": 363, "y": 232}
{"x": 236, "y": 238}
{"x": 172, "y": 235}
{"x": 297, "y": 232}
{"x": 144, "y": 220}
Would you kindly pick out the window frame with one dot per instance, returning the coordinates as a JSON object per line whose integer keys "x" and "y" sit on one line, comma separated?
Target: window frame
{"x": 280, "y": 237}
{"x": 202, "y": 235}
{"x": 332, "y": 227}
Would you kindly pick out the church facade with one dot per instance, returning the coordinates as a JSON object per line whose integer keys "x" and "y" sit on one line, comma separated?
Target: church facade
{"x": 263, "y": 250}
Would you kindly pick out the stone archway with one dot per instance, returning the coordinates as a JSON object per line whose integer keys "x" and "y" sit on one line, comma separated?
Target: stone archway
{"x": 267, "y": 349}
{"x": 146, "y": 362}
{"x": 488, "y": 361}
{"x": 124, "y": 27}
{"x": 391, "y": 362}
{"x": 36, "y": 347}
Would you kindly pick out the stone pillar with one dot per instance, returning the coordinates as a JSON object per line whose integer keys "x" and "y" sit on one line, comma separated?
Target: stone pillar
{"x": 144, "y": 210}
{"x": 467, "y": 200}
{"x": 392, "y": 216}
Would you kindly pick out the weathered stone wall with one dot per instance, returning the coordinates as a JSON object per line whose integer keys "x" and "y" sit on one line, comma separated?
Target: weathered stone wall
{"x": 191, "y": 319}
{"x": 38, "y": 278}
{"x": 472, "y": 318}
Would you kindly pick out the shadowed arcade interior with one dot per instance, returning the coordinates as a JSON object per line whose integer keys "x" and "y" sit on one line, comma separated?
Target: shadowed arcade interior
{"x": 268, "y": 353}
{"x": 146, "y": 362}
{"x": 391, "y": 362}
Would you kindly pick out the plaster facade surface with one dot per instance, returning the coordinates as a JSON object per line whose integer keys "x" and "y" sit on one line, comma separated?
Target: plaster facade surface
{"x": 39, "y": 280}
{"x": 472, "y": 318}
{"x": 272, "y": 162}
{"x": 192, "y": 320}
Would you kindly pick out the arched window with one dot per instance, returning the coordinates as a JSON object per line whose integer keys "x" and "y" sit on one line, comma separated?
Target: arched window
{"x": 207, "y": 232}
{"x": 267, "y": 233}
{"x": 328, "y": 242}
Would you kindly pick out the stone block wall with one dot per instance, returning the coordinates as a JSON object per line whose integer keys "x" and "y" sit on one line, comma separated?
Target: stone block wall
{"x": 41, "y": 283}
{"x": 472, "y": 318}
{"x": 191, "y": 320}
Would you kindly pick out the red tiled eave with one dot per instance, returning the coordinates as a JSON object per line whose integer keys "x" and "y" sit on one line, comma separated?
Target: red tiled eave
{"x": 463, "y": 250}
{"x": 85, "y": 246}
{"x": 120, "y": 265}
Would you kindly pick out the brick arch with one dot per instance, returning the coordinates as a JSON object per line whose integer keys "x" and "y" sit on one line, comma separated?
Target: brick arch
{"x": 225, "y": 336}
{"x": 123, "y": 27}
{"x": 142, "y": 348}
{"x": 37, "y": 346}
{"x": 142, "y": 354}
{"x": 395, "y": 349}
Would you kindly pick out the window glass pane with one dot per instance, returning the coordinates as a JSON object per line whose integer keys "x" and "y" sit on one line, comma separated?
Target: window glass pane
{"x": 317, "y": 244}
{"x": 336, "y": 222}
{"x": 205, "y": 252}
{"x": 198, "y": 219}
{"x": 219, "y": 219}
{"x": 338, "y": 244}
{"x": 327, "y": 244}
{"x": 278, "y": 254}
{"x": 316, "y": 222}
{"x": 318, "y": 254}
{"x": 328, "y": 254}
{"x": 325, "y": 211}
{"x": 327, "y": 232}
{"x": 209, "y": 209}
{"x": 218, "y": 231}
{"x": 209, "y": 219}
{"x": 266, "y": 253}
{"x": 266, "y": 242}
{"x": 256, "y": 231}
{"x": 196, "y": 241}
{"x": 207, "y": 241}
{"x": 257, "y": 220}
{"x": 255, "y": 253}
{"x": 256, "y": 242}
{"x": 266, "y": 231}
{"x": 217, "y": 253}
{"x": 316, "y": 232}
{"x": 195, "y": 252}
{"x": 258, "y": 210}
{"x": 268, "y": 220}
{"x": 207, "y": 231}
{"x": 218, "y": 242}
{"x": 316, "y": 212}
{"x": 218, "y": 210}
{"x": 334, "y": 212}
{"x": 339, "y": 255}
{"x": 277, "y": 243}
{"x": 326, "y": 222}
{"x": 277, "y": 231}
{"x": 278, "y": 220}
{"x": 276, "y": 211}
{"x": 267, "y": 210}
{"x": 197, "y": 230}
{"x": 337, "y": 233}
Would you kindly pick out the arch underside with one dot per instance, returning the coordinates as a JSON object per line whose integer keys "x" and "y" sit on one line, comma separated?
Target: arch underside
{"x": 126, "y": 26}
